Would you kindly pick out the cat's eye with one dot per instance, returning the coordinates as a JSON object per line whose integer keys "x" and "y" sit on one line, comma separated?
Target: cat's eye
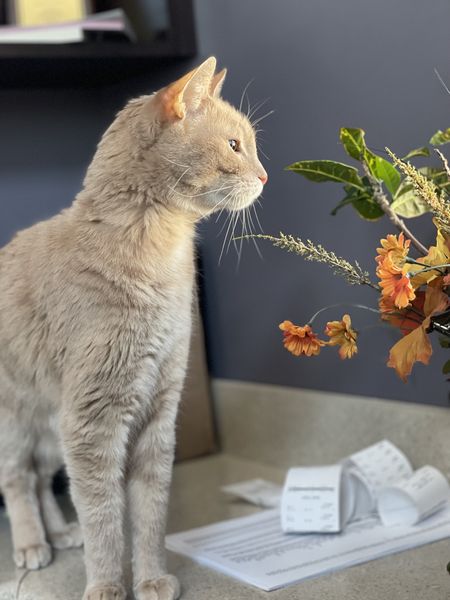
{"x": 234, "y": 145}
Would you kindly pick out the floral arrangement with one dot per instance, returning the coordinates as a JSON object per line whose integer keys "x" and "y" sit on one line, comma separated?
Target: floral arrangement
{"x": 413, "y": 281}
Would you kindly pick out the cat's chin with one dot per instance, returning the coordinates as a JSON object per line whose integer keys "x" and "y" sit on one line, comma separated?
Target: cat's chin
{"x": 244, "y": 200}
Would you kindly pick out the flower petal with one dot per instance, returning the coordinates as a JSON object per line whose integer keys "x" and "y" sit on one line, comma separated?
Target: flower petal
{"x": 414, "y": 347}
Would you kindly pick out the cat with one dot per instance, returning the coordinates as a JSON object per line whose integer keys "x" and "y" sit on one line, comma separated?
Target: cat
{"x": 95, "y": 321}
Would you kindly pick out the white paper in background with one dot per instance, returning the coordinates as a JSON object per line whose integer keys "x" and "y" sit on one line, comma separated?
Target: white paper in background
{"x": 256, "y": 491}
{"x": 316, "y": 499}
{"x": 411, "y": 500}
{"x": 254, "y": 549}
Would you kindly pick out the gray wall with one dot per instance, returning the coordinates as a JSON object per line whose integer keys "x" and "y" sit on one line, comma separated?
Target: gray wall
{"x": 323, "y": 64}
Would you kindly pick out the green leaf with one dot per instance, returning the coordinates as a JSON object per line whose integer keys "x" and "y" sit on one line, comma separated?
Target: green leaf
{"x": 422, "y": 151}
{"x": 388, "y": 174}
{"x": 353, "y": 141}
{"x": 362, "y": 202}
{"x": 407, "y": 204}
{"x": 444, "y": 341}
{"x": 383, "y": 170}
{"x": 446, "y": 368}
{"x": 327, "y": 170}
{"x": 438, "y": 176}
{"x": 440, "y": 138}
{"x": 345, "y": 202}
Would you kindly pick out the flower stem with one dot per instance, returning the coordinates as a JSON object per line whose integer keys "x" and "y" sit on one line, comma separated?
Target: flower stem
{"x": 339, "y": 305}
{"x": 316, "y": 252}
{"x": 385, "y": 206}
{"x": 432, "y": 268}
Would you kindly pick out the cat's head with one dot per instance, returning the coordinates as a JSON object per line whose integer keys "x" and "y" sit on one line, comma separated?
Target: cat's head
{"x": 206, "y": 147}
{"x": 193, "y": 149}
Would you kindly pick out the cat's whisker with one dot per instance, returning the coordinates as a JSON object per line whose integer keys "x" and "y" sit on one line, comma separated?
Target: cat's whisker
{"x": 259, "y": 119}
{"x": 218, "y": 204}
{"x": 223, "y": 208}
{"x": 262, "y": 152}
{"x": 174, "y": 163}
{"x": 229, "y": 230}
{"x": 225, "y": 222}
{"x": 444, "y": 85}
{"x": 256, "y": 217}
{"x": 244, "y": 92}
{"x": 257, "y": 107}
{"x": 252, "y": 230}
{"x": 232, "y": 238}
{"x": 180, "y": 178}
{"x": 243, "y": 229}
{"x": 250, "y": 219}
{"x": 229, "y": 221}
{"x": 221, "y": 189}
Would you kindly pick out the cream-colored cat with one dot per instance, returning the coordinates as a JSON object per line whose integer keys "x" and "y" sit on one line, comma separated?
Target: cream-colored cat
{"x": 95, "y": 320}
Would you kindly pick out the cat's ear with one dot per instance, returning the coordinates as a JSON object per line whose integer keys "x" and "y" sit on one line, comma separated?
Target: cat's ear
{"x": 217, "y": 83}
{"x": 187, "y": 94}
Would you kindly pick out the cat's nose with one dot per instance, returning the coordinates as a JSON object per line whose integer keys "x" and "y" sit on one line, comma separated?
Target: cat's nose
{"x": 263, "y": 178}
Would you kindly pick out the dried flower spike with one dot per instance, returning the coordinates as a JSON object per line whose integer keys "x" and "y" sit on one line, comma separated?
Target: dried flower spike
{"x": 426, "y": 190}
{"x": 310, "y": 251}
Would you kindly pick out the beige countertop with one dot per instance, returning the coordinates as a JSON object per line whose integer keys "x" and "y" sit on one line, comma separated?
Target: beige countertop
{"x": 196, "y": 500}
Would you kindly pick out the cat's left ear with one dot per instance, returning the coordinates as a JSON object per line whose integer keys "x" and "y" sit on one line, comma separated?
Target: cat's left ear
{"x": 187, "y": 94}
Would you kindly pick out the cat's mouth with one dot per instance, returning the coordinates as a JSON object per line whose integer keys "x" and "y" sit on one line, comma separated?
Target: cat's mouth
{"x": 243, "y": 196}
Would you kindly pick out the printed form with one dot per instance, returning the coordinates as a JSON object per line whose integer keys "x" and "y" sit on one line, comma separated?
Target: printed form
{"x": 255, "y": 550}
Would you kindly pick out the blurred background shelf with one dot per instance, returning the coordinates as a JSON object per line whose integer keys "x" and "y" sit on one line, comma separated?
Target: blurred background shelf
{"x": 97, "y": 63}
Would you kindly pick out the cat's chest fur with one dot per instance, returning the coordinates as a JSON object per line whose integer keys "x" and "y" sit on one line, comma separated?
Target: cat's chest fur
{"x": 71, "y": 316}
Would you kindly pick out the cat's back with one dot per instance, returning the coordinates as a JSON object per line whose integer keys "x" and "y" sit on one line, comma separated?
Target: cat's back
{"x": 23, "y": 258}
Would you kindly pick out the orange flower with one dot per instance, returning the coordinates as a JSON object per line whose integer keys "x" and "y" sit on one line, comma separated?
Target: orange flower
{"x": 437, "y": 255}
{"x": 416, "y": 346}
{"x": 407, "y": 319}
{"x": 395, "y": 282}
{"x": 342, "y": 334}
{"x": 300, "y": 340}
{"x": 397, "y": 249}
{"x": 386, "y": 306}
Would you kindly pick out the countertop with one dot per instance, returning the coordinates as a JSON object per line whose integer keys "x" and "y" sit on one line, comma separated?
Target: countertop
{"x": 196, "y": 500}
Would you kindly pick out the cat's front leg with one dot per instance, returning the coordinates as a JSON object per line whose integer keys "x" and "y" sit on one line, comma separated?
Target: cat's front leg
{"x": 95, "y": 433}
{"x": 149, "y": 480}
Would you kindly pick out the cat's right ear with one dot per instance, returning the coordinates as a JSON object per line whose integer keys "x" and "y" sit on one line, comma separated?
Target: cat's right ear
{"x": 217, "y": 83}
{"x": 186, "y": 94}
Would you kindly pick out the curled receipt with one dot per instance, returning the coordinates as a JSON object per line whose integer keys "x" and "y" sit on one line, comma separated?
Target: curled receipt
{"x": 412, "y": 500}
{"x": 380, "y": 477}
{"x": 316, "y": 499}
{"x": 371, "y": 470}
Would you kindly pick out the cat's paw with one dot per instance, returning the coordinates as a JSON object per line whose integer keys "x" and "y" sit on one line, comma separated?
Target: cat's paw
{"x": 113, "y": 591}
{"x": 33, "y": 557}
{"x": 69, "y": 537}
{"x": 162, "y": 588}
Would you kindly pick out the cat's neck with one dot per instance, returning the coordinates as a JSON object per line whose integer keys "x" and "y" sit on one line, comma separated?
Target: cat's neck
{"x": 134, "y": 228}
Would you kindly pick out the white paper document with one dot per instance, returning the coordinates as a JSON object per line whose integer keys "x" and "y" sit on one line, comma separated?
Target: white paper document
{"x": 255, "y": 550}
{"x": 256, "y": 491}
